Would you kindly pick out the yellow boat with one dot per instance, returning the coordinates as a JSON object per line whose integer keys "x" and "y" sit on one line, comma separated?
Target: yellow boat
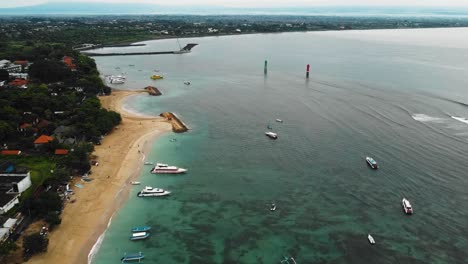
{"x": 156, "y": 77}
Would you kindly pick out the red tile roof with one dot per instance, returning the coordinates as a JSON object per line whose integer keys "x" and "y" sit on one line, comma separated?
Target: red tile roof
{"x": 69, "y": 62}
{"x": 18, "y": 82}
{"x": 25, "y": 125}
{"x": 43, "y": 123}
{"x": 61, "y": 151}
{"x": 11, "y": 152}
{"x": 21, "y": 62}
{"x": 43, "y": 139}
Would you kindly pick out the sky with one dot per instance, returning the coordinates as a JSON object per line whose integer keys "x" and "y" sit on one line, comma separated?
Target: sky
{"x": 257, "y": 3}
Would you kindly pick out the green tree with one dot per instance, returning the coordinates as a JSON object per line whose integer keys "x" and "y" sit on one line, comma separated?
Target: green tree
{"x": 49, "y": 71}
{"x": 4, "y": 75}
{"x": 5, "y": 130}
{"x": 53, "y": 219}
{"x": 34, "y": 244}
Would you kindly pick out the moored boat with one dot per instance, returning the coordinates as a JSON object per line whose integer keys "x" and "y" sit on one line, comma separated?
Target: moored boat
{"x": 141, "y": 229}
{"x": 371, "y": 239}
{"x": 162, "y": 168}
{"x": 149, "y": 163}
{"x": 135, "y": 183}
{"x": 150, "y": 191}
{"x": 273, "y": 207}
{"x": 156, "y": 77}
{"x": 271, "y": 135}
{"x": 407, "y": 208}
{"x": 132, "y": 257}
{"x": 372, "y": 163}
{"x": 139, "y": 235}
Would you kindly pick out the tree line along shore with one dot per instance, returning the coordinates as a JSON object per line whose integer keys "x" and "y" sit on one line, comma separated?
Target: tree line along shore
{"x": 50, "y": 121}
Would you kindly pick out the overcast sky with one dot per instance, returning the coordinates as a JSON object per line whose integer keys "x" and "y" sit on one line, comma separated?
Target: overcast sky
{"x": 258, "y": 3}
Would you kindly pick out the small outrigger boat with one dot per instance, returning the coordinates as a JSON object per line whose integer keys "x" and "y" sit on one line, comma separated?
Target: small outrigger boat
{"x": 132, "y": 257}
{"x": 372, "y": 163}
{"x": 371, "y": 239}
{"x": 141, "y": 229}
{"x": 273, "y": 207}
{"x": 288, "y": 260}
{"x": 135, "y": 183}
{"x": 407, "y": 208}
{"x": 156, "y": 77}
{"x": 139, "y": 235}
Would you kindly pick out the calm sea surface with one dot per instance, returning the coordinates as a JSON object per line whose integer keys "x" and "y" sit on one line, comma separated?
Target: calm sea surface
{"x": 387, "y": 94}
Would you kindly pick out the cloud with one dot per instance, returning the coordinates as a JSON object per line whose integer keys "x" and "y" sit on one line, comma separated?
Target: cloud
{"x": 256, "y": 3}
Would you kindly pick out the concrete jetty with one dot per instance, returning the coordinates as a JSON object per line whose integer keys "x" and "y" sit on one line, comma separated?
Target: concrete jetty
{"x": 177, "y": 125}
{"x": 153, "y": 91}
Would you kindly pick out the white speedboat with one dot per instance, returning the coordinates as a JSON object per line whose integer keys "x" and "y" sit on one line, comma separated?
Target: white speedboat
{"x": 135, "y": 183}
{"x": 116, "y": 79}
{"x": 371, "y": 239}
{"x": 139, "y": 235}
{"x": 372, "y": 163}
{"x": 162, "y": 168}
{"x": 271, "y": 135}
{"x": 150, "y": 191}
{"x": 406, "y": 206}
{"x": 273, "y": 207}
{"x": 279, "y": 120}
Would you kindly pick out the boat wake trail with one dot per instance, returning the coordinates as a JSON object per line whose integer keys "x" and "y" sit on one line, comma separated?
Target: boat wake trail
{"x": 461, "y": 119}
{"x": 426, "y": 118}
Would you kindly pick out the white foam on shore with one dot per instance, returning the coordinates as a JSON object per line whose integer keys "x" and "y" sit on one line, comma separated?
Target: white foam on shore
{"x": 426, "y": 118}
{"x": 461, "y": 119}
{"x": 97, "y": 245}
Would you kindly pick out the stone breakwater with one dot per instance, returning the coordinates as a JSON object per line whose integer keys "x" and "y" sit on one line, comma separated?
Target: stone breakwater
{"x": 177, "y": 125}
{"x": 153, "y": 91}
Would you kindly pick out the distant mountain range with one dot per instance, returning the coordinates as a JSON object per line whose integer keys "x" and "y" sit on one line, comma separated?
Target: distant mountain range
{"x": 77, "y": 8}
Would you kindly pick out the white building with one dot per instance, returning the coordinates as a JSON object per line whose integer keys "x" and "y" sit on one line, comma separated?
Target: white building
{"x": 13, "y": 182}
{"x": 9, "y": 67}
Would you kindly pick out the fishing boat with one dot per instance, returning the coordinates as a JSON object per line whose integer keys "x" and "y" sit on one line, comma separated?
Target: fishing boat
{"x": 141, "y": 229}
{"x": 273, "y": 207}
{"x": 149, "y": 163}
{"x": 135, "y": 183}
{"x": 139, "y": 235}
{"x": 371, "y": 239}
{"x": 372, "y": 163}
{"x": 162, "y": 168}
{"x": 150, "y": 191}
{"x": 271, "y": 135}
{"x": 132, "y": 257}
{"x": 187, "y": 83}
{"x": 156, "y": 77}
{"x": 406, "y": 206}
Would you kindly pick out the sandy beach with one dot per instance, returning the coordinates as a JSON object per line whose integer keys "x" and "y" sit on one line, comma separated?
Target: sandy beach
{"x": 120, "y": 158}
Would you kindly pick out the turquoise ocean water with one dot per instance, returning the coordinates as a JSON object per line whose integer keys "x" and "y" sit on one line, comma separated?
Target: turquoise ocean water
{"x": 388, "y": 94}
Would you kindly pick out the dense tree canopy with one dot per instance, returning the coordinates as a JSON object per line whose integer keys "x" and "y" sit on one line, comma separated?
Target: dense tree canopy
{"x": 49, "y": 71}
{"x": 34, "y": 244}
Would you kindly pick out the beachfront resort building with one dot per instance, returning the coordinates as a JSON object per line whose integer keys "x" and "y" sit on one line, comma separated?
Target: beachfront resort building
{"x": 13, "y": 181}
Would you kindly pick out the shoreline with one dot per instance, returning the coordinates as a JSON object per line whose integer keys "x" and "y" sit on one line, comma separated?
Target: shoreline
{"x": 138, "y": 42}
{"x": 120, "y": 157}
